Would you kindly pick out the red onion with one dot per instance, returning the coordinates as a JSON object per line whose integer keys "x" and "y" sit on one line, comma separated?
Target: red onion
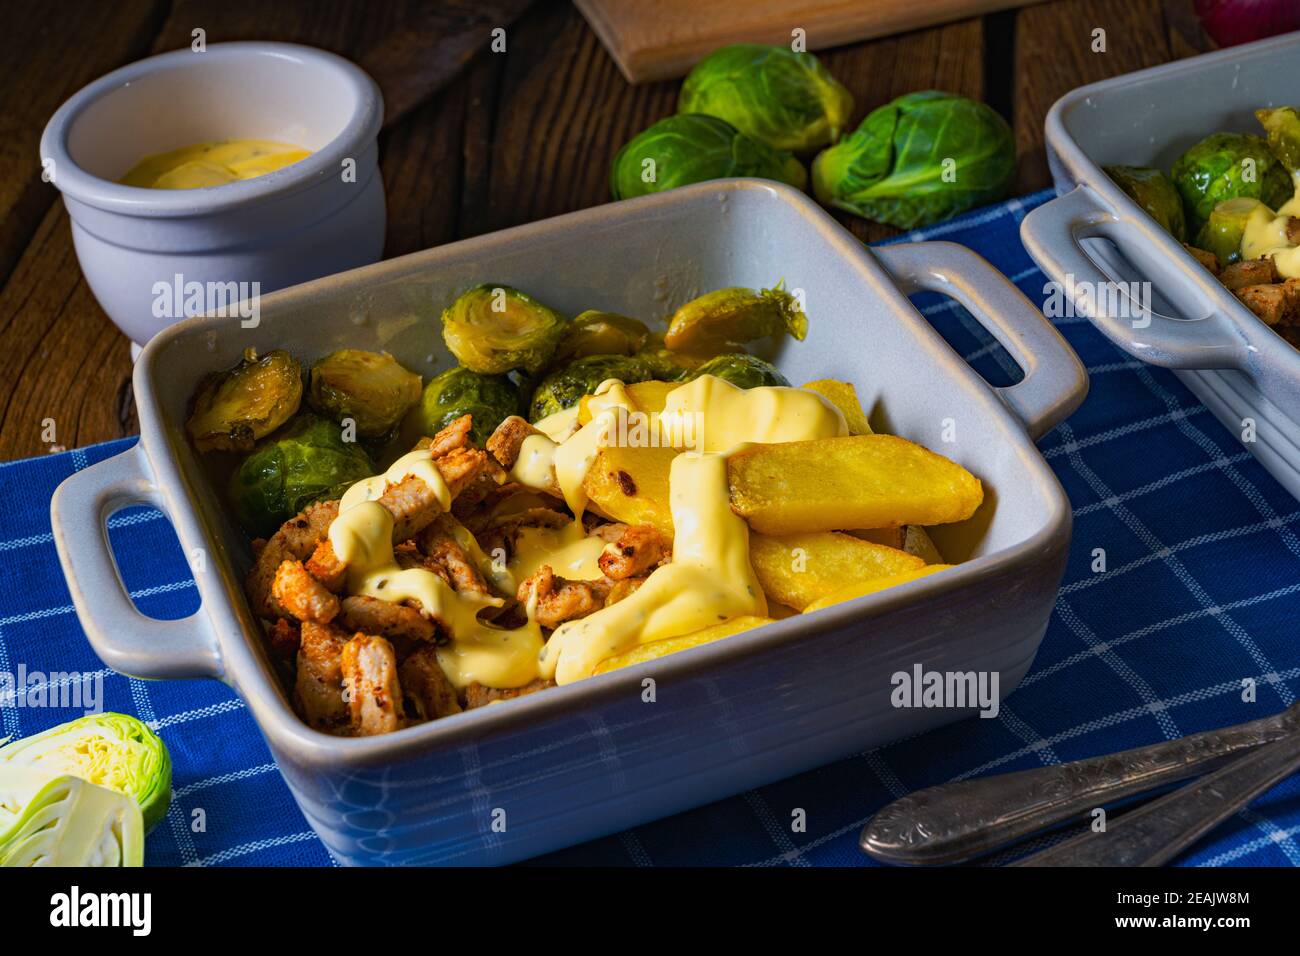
{"x": 1230, "y": 22}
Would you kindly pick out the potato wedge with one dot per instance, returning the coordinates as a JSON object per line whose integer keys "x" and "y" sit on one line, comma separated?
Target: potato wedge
{"x": 631, "y": 484}
{"x": 798, "y": 569}
{"x": 912, "y": 538}
{"x": 859, "y": 481}
{"x": 671, "y": 645}
{"x": 646, "y": 396}
{"x": 862, "y": 589}
{"x": 844, "y": 397}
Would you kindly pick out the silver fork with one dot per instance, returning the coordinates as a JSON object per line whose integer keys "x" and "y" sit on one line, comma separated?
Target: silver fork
{"x": 956, "y": 822}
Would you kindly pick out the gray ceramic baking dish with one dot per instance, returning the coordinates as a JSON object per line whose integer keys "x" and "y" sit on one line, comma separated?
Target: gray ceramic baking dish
{"x": 592, "y": 758}
{"x": 1092, "y": 233}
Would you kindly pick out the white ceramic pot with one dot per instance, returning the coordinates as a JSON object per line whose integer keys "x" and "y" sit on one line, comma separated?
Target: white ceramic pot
{"x": 318, "y": 216}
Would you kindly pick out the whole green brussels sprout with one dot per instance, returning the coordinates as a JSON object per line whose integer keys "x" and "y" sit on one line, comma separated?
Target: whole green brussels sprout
{"x": 1282, "y": 127}
{"x": 1155, "y": 193}
{"x": 306, "y": 461}
{"x": 109, "y": 750}
{"x": 1226, "y": 166}
{"x": 770, "y": 93}
{"x": 1223, "y": 231}
{"x": 724, "y": 318}
{"x": 564, "y": 387}
{"x": 493, "y": 329}
{"x": 600, "y": 333}
{"x": 490, "y": 399}
{"x": 742, "y": 370}
{"x": 371, "y": 388}
{"x": 691, "y": 148}
{"x": 924, "y": 157}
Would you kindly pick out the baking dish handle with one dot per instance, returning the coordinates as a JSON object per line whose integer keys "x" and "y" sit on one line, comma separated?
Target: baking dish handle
{"x": 1052, "y": 233}
{"x": 126, "y": 640}
{"x": 1055, "y": 381}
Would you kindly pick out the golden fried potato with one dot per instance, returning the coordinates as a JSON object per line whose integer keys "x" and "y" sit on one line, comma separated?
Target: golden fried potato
{"x": 844, "y": 397}
{"x": 859, "y": 481}
{"x": 646, "y": 396}
{"x": 912, "y": 538}
{"x": 671, "y": 645}
{"x": 798, "y": 569}
{"x": 863, "y": 588}
{"x": 630, "y": 484}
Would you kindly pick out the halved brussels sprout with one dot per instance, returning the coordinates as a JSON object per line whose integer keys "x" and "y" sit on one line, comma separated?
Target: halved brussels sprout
{"x": 112, "y": 750}
{"x": 66, "y": 821}
{"x": 691, "y": 148}
{"x": 233, "y": 409}
{"x": 722, "y": 319}
{"x": 924, "y": 157}
{"x": 1223, "y": 231}
{"x": 1226, "y": 166}
{"x": 1155, "y": 193}
{"x": 784, "y": 99}
{"x": 742, "y": 370}
{"x": 1282, "y": 127}
{"x": 371, "y": 388}
{"x": 565, "y": 386}
{"x": 600, "y": 333}
{"x": 304, "y": 463}
{"x": 490, "y": 399}
{"x": 493, "y": 329}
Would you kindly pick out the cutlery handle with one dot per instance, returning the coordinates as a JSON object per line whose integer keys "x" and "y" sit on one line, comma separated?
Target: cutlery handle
{"x": 960, "y": 821}
{"x": 1158, "y": 831}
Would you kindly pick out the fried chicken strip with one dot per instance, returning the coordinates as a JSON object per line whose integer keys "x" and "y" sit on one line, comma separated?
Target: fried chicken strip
{"x": 296, "y": 539}
{"x": 373, "y": 693}
{"x": 559, "y": 599}
{"x": 397, "y": 622}
{"x": 439, "y": 544}
{"x": 318, "y": 684}
{"x": 477, "y": 695}
{"x": 301, "y": 595}
{"x": 637, "y": 549}
{"x": 426, "y": 686}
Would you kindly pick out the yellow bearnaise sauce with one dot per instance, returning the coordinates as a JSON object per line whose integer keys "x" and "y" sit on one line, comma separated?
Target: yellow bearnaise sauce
{"x": 708, "y": 580}
{"x": 1266, "y": 235}
{"x": 212, "y": 164}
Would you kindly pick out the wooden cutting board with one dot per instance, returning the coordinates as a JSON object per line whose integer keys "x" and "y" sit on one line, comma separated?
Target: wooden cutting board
{"x": 660, "y": 39}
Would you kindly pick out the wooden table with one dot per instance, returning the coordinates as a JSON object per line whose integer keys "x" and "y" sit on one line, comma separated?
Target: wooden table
{"x": 515, "y": 138}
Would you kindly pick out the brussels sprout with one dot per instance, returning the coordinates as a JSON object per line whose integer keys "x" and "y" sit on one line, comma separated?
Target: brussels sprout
{"x": 371, "y": 388}
{"x": 691, "y": 148}
{"x": 601, "y": 333}
{"x": 742, "y": 370}
{"x": 65, "y": 821}
{"x": 565, "y": 386}
{"x": 490, "y": 399}
{"x": 669, "y": 366}
{"x": 1225, "y": 166}
{"x": 1282, "y": 127}
{"x": 784, "y": 99}
{"x": 725, "y": 318}
{"x": 293, "y": 468}
{"x": 493, "y": 329}
{"x": 1152, "y": 190}
{"x": 112, "y": 750}
{"x": 1223, "y": 231}
{"x": 924, "y": 157}
{"x": 233, "y": 409}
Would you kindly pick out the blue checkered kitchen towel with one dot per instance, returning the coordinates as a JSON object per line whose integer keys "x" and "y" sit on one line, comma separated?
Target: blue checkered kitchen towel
{"x": 1202, "y": 590}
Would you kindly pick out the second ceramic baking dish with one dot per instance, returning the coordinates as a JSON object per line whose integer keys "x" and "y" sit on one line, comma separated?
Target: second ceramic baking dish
{"x": 572, "y": 763}
{"x": 1092, "y": 234}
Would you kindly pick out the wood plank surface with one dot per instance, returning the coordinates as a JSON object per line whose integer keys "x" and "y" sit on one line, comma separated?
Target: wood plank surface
{"x": 516, "y": 137}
